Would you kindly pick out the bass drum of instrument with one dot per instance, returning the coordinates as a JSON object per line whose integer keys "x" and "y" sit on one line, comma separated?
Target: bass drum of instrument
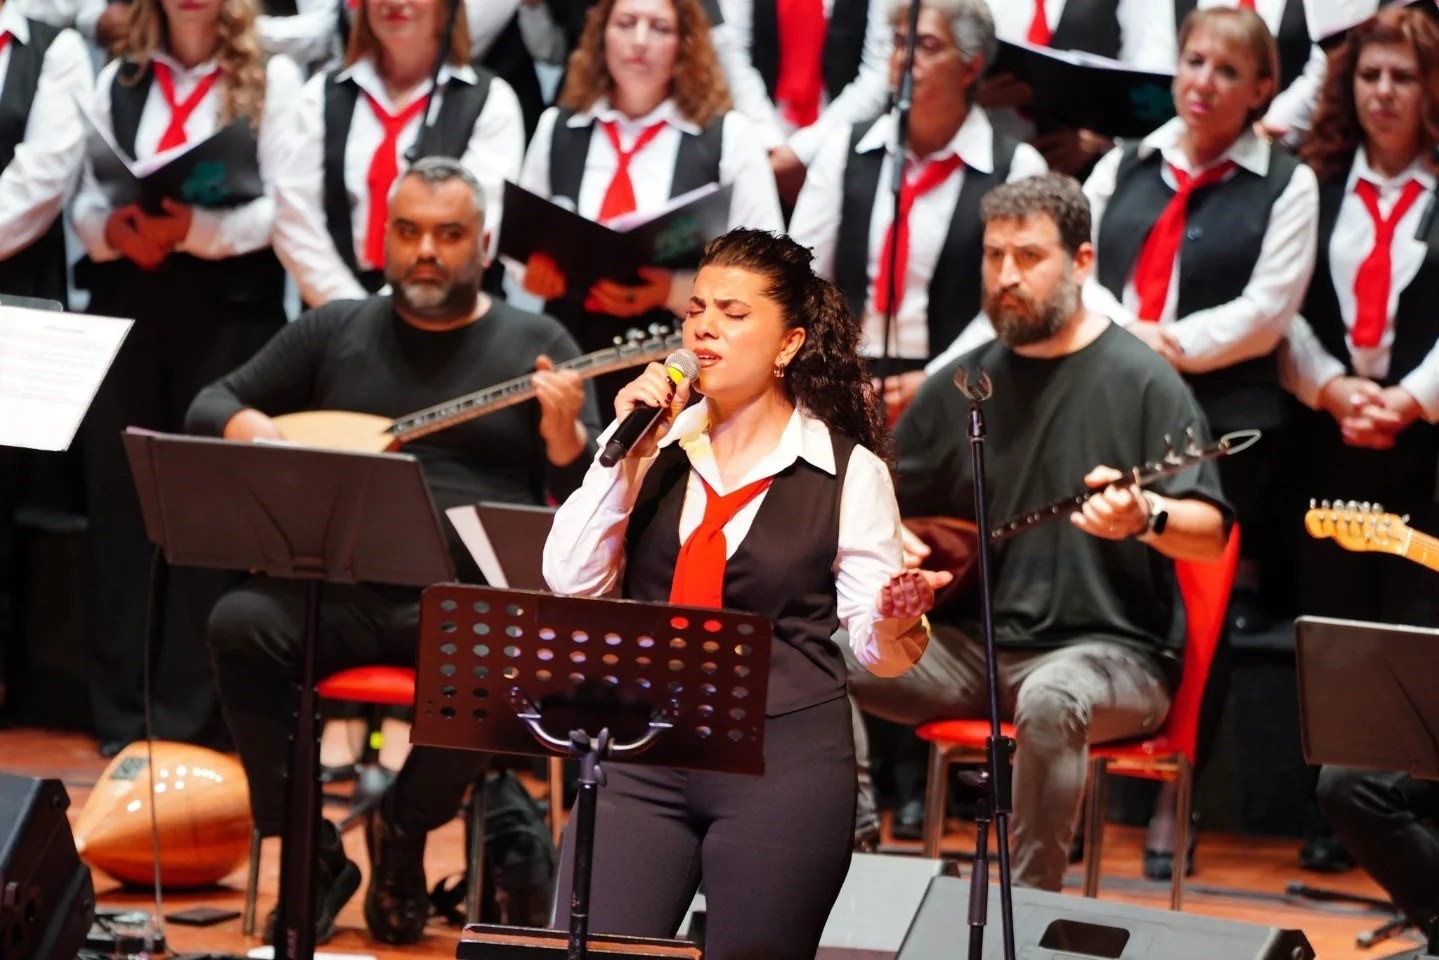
{"x": 201, "y": 808}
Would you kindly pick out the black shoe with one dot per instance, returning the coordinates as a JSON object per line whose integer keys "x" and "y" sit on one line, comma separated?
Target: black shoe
{"x": 340, "y": 773}
{"x": 908, "y": 823}
{"x": 1159, "y": 864}
{"x": 336, "y": 880}
{"x": 1325, "y": 854}
{"x": 397, "y": 902}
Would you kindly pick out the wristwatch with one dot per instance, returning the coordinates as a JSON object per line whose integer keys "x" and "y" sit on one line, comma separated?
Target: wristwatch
{"x": 1158, "y": 516}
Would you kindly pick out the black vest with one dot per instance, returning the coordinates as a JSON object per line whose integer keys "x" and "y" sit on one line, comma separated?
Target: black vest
{"x": 1292, "y": 37}
{"x": 460, "y": 106}
{"x": 696, "y": 165}
{"x": 1416, "y": 322}
{"x": 783, "y": 570}
{"x": 39, "y": 269}
{"x": 1088, "y": 25}
{"x": 1224, "y": 233}
{"x": 253, "y": 280}
{"x": 280, "y": 8}
{"x": 954, "y": 289}
{"x": 843, "y": 43}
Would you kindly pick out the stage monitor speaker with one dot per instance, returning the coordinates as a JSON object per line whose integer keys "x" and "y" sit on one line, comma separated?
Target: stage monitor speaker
{"x": 1050, "y": 926}
{"x": 876, "y": 906}
{"x": 484, "y": 941}
{"x": 47, "y": 899}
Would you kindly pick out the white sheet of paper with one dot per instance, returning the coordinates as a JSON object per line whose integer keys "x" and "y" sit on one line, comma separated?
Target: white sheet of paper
{"x": 466, "y": 521}
{"x": 51, "y": 365}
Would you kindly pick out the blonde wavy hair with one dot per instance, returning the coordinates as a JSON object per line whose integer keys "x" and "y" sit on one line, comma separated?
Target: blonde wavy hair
{"x": 363, "y": 42}
{"x": 698, "y": 85}
{"x": 242, "y": 66}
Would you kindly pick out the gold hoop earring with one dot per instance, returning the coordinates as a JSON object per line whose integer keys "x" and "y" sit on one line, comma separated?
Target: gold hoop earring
{"x": 779, "y": 371}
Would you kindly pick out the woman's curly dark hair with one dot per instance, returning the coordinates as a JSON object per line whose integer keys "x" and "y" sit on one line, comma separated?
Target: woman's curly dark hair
{"x": 698, "y": 86}
{"x": 827, "y": 377}
{"x": 1335, "y": 135}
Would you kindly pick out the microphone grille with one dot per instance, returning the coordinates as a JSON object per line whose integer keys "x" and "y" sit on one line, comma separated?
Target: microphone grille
{"x": 685, "y": 362}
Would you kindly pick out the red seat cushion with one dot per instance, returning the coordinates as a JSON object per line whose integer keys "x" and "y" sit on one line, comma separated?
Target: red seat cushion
{"x": 960, "y": 733}
{"x": 394, "y": 686}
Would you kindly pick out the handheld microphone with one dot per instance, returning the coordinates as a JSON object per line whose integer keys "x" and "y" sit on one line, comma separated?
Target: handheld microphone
{"x": 683, "y": 367}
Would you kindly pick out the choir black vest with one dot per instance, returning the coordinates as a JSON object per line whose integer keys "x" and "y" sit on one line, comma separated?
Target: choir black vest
{"x": 280, "y": 8}
{"x": 1292, "y": 37}
{"x": 954, "y": 290}
{"x": 253, "y": 279}
{"x": 1224, "y": 232}
{"x": 783, "y": 570}
{"x": 460, "y": 107}
{"x": 1416, "y": 322}
{"x": 696, "y": 165}
{"x": 39, "y": 269}
{"x": 843, "y": 43}
{"x": 1088, "y": 25}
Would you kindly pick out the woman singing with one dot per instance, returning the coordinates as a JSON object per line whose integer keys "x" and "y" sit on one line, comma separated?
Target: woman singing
{"x": 764, "y": 496}
{"x": 645, "y": 116}
{"x": 357, "y": 127}
{"x": 205, "y": 292}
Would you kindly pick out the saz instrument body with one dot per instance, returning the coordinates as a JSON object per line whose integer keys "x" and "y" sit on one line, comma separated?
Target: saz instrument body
{"x": 201, "y": 807}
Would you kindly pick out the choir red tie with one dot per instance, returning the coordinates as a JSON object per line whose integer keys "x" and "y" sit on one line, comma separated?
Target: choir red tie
{"x": 180, "y": 111}
{"x": 933, "y": 175}
{"x": 700, "y": 566}
{"x": 799, "y": 88}
{"x": 384, "y": 168}
{"x": 620, "y": 195}
{"x": 4, "y": 39}
{"x": 1371, "y": 283}
{"x": 1039, "y": 32}
{"x": 1246, "y": 4}
{"x": 1155, "y": 265}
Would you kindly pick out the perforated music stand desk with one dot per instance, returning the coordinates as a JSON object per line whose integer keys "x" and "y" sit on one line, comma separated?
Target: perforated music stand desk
{"x": 1369, "y": 695}
{"x": 513, "y": 671}
{"x": 303, "y": 514}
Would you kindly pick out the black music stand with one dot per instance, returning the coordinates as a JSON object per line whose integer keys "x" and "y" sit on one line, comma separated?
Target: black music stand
{"x": 512, "y": 671}
{"x": 1369, "y": 698}
{"x": 303, "y": 514}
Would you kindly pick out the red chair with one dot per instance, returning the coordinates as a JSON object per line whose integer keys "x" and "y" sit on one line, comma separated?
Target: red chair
{"x": 1166, "y": 755}
{"x": 395, "y": 687}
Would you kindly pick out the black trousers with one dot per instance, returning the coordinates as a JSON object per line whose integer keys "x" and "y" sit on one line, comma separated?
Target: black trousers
{"x": 172, "y": 351}
{"x": 773, "y": 851}
{"x": 255, "y": 634}
{"x": 1381, "y": 820}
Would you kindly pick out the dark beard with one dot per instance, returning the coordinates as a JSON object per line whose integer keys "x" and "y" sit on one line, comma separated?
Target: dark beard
{"x": 450, "y": 300}
{"x": 1030, "y": 321}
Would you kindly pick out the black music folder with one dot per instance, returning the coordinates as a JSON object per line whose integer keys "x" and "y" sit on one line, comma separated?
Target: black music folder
{"x": 1088, "y": 92}
{"x": 586, "y": 251}
{"x": 222, "y": 170}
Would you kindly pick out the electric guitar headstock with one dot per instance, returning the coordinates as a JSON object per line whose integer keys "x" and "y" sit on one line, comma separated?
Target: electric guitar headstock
{"x": 1358, "y": 526}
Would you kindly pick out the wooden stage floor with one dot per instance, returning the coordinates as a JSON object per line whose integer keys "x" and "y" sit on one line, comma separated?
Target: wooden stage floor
{"x": 1239, "y": 878}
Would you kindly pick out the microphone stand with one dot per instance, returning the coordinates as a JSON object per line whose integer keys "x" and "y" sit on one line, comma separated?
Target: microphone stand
{"x": 903, "y": 102}
{"x": 447, "y": 39}
{"x": 997, "y": 793}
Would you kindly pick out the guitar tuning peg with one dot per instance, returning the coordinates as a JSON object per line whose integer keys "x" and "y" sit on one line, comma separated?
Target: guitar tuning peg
{"x": 1404, "y": 519}
{"x": 1311, "y": 503}
{"x": 658, "y": 330}
{"x": 618, "y": 341}
{"x": 1378, "y": 507}
{"x": 1191, "y": 443}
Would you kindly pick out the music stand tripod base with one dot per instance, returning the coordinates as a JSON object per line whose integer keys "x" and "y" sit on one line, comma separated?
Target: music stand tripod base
{"x": 513, "y": 671}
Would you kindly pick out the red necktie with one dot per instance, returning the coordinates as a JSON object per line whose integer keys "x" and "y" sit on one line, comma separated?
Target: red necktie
{"x": 620, "y": 195}
{"x": 4, "y": 39}
{"x": 1371, "y": 283}
{"x": 1246, "y": 4}
{"x": 174, "y": 134}
{"x": 384, "y": 168}
{"x": 700, "y": 566}
{"x": 932, "y": 176}
{"x": 1039, "y": 32}
{"x": 1155, "y": 266}
{"x": 800, "y": 85}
